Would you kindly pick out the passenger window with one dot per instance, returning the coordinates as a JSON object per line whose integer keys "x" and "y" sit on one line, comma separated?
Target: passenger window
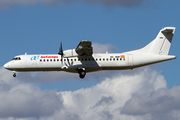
{"x": 85, "y": 59}
{"x": 44, "y": 60}
{"x": 71, "y": 59}
{"x": 107, "y": 59}
{"x": 113, "y": 58}
{"x": 40, "y": 60}
{"x": 47, "y": 60}
{"x": 64, "y": 59}
{"x": 51, "y": 60}
{"x": 99, "y": 59}
{"x": 117, "y": 59}
{"x": 57, "y": 59}
{"x": 103, "y": 59}
{"x": 54, "y": 60}
{"x": 74, "y": 59}
{"x": 89, "y": 59}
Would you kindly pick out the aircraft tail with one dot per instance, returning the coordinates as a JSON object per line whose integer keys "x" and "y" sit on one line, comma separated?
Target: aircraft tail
{"x": 161, "y": 44}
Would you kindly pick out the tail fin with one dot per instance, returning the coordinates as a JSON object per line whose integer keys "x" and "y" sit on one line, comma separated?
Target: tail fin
{"x": 161, "y": 44}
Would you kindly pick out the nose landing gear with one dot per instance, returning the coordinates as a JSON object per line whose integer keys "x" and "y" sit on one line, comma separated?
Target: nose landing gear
{"x": 14, "y": 75}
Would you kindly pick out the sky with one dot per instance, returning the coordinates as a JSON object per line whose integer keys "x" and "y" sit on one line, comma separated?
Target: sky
{"x": 38, "y": 27}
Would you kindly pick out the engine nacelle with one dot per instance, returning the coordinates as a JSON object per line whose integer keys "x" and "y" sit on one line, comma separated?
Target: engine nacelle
{"x": 70, "y": 53}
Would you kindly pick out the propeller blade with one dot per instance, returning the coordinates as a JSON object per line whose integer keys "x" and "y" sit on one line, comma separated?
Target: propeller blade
{"x": 61, "y": 52}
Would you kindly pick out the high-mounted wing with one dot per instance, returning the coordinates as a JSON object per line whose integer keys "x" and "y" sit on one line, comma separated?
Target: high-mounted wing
{"x": 84, "y": 48}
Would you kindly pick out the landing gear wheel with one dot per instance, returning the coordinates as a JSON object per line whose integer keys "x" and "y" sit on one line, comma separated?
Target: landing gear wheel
{"x": 81, "y": 76}
{"x": 82, "y": 73}
{"x": 14, "y": 75}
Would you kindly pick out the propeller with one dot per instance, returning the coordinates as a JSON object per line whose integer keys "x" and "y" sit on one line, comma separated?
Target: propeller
{"x": 61, "y": 51}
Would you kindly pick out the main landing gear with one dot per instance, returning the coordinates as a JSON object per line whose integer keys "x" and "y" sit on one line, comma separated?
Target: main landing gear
{"x": 82, "y": 73}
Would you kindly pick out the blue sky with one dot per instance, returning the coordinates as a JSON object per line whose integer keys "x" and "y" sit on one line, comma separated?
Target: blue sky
{"x": 119, "y": 25}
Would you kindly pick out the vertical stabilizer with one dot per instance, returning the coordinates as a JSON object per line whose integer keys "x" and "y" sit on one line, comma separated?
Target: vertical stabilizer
{"x": 161, "y": 44}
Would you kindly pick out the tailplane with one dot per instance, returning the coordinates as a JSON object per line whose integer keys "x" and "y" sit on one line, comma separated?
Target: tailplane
{"x": 161, "y": 44}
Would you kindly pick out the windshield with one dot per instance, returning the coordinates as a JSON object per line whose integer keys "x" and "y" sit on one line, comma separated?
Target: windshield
{"x": 16, "y": 58}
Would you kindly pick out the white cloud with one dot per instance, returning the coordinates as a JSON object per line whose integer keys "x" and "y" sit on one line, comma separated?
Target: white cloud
{"x": 125, "y": 3}
{"x": 102, "y": 48}
{"x": 141, "y": 95}
{"x": 106, "y": 99}
{"x": 23, "y": 100}
{"x": 160, "y": 101}
{"x": 124, "y": 97}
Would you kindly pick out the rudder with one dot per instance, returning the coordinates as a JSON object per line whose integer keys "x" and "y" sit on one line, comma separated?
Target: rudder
{"x": 167, "y": 36}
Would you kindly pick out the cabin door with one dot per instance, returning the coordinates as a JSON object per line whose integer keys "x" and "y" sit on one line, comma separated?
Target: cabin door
{"x": 130, "y": 60}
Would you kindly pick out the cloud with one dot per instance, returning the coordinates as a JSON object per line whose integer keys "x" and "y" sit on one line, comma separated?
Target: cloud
{"x": 124, "y": 3}
{"x": 141, "y": 95}
{"x": 104, "y": 100}
{"x": 23, "y": 100}
{"x": 102, "y": 48}
{"x": 28, "y": 102}
{"x": 160, "y": 101}
{"x": 113, "y": 92}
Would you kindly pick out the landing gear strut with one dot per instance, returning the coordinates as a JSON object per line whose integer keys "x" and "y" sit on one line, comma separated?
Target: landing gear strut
{"x": 82, "y": 73}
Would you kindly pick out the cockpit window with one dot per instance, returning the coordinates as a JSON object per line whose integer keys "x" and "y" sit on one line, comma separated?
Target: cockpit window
{"x": 16, "y": 58}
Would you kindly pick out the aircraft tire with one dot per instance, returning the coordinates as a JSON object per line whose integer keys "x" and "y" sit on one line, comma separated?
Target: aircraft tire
{"x": 14, "y": 75}
{"x": 82, "y": 73}
{"x": 81, "y": 76}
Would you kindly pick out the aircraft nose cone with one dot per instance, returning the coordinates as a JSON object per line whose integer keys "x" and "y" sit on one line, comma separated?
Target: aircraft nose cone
{"x": 6, "y": 66}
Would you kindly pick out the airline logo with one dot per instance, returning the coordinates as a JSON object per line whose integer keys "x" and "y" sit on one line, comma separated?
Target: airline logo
{"x": 35, "y": 57}
{"x": 49, "y": 56}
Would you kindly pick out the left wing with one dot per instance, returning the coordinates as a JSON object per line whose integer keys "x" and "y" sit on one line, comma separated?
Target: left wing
{"x": 84, "y": 48}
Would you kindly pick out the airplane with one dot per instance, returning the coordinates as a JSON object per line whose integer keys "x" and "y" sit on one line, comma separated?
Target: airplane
{"x": 82, "y": 60}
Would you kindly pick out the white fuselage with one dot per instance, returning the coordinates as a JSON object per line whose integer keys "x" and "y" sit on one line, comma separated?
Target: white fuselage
{"x": 53, "y": 62}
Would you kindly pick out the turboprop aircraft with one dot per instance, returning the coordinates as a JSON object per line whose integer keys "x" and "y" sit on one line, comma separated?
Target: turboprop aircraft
{"x": 82, "y": 60}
